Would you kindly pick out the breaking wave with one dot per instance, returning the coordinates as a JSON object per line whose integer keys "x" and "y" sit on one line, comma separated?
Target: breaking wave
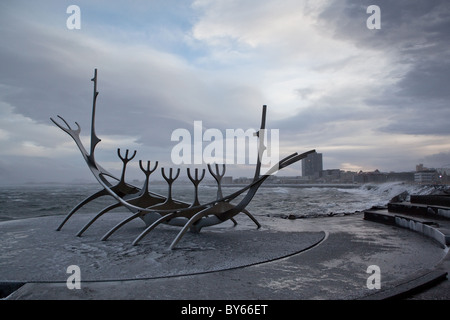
{"x": 319, "y": 201}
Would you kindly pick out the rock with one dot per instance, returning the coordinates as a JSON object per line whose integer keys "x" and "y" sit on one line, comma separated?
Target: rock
{"x": 400, "y": 197}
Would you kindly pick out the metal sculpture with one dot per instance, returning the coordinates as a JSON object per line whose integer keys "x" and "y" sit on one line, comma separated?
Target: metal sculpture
{"x": 155, "y": 209}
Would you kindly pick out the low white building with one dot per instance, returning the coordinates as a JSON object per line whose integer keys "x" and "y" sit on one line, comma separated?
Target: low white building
{"x": 426, "y": 176}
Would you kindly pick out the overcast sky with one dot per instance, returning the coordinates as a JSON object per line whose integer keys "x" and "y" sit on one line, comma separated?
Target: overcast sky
{"x": 365, "y": 98}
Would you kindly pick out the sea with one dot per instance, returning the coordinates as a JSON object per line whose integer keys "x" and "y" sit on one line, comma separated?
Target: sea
{"x": 296, "y": 201}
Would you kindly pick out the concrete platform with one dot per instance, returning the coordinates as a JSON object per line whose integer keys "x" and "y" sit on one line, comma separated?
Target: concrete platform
{"x": 438, "y": 230}
{"x": 318, "y": 258}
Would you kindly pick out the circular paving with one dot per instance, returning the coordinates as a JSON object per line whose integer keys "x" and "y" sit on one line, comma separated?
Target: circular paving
{"x": 32, "y": 251}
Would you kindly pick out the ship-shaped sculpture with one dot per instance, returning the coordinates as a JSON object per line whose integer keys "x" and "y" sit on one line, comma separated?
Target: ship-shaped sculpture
{"x": 155, "y": 209}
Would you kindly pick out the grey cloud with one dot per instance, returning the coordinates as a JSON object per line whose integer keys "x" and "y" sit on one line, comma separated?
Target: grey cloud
{"x": 430, "y": 79}
{"x": 438, "y": 160}
{"x": 404, "y": 23}
{"x": 140, "y": 96}
{"x": 417, "y": 34}
{"x": 146, "y": 95}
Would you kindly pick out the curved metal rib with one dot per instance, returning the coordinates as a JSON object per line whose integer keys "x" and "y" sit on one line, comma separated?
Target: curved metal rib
{"x": 90, "y": 198}
{"x": 120, "y": 224}
{"x": 102, "y": 212}
{"x": 190, "y": 223}
{"x": 188, "y": 213}
{"x": 248, "y": 214}
{"x": 214, "y": 219}
{"x": 162, "y": 219}
{"x": 121, "y": 188}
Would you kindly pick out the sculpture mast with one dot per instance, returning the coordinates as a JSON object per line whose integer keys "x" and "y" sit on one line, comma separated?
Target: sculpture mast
{"x": 94, "y": 139}
{"x": 261, "y": 147}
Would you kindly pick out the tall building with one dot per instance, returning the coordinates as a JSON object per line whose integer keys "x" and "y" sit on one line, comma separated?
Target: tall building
{"x": 312, "y": 165}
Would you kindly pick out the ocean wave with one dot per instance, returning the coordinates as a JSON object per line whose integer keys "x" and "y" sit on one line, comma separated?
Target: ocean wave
{"x": 33, "y": 201}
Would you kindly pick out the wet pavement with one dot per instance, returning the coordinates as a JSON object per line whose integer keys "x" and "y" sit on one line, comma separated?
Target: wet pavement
{"x": 317, "y": 258}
